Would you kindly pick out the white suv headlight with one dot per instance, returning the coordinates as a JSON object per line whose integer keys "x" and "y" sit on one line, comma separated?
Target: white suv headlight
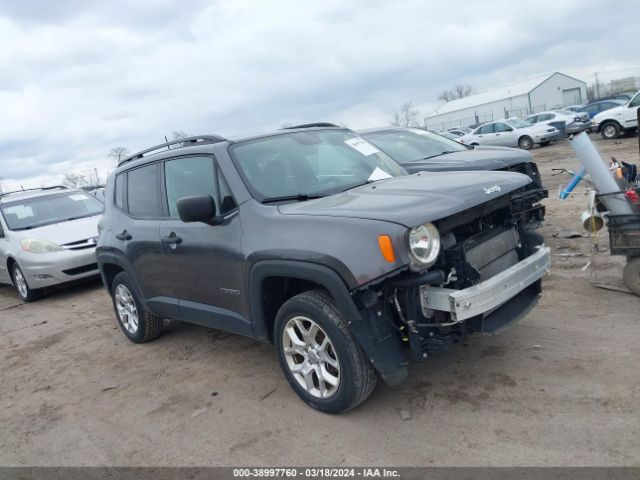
{"x": 424, "y": 245}
{"x": 35, "y": 245}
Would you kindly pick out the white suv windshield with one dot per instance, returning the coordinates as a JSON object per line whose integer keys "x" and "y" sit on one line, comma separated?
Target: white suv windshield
{"x": 311, "y": 163}
{"x": 48, "y": 209}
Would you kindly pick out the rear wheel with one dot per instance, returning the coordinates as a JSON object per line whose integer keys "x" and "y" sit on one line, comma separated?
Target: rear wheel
{"x": 525, "y": 142}
{"x": 26, "y": 293}
{"x": 320, "y": 358}
{"x": 631, "y": 275}
{"x": 138, "y": 324}
{"x": 610, "y": 130}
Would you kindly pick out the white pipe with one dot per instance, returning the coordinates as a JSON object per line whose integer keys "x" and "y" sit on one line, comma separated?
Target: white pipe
{"x": 600, "y": 175}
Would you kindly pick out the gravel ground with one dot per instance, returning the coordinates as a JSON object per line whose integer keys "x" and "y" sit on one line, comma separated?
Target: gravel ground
{"x": 559, "y": 388}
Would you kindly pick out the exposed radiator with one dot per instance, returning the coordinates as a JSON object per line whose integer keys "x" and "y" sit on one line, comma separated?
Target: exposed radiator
{"x": 494, "y": 255}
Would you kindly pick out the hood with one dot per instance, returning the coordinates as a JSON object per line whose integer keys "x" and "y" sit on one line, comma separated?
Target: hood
{"x": 478, "y": 158}
{"x": 65, "y": 232}
{"x": 610, "y": 113}
{"x": 413, "y": 199}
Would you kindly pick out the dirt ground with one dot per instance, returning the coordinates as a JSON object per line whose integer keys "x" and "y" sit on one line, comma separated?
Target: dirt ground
{"x": 561, "y": 387}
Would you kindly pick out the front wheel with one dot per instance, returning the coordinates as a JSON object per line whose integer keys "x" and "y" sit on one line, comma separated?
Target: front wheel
{"x": 26, "y": 293}
{"x": 631, "y": 275}
{"x": 525, "y": 142}
{"x": 610, "y": 130}
{"x": 320, "y": 358}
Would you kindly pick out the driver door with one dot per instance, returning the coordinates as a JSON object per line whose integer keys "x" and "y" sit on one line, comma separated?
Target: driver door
{"x": 505, "y": 135}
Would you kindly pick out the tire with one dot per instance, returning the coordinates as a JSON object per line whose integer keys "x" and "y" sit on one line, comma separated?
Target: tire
{"x": 631, "y": 275}
{"x": 138, "y": 324}
{"x": 544, "y": 144}
{"x": 610, "y": 130}
{"x": 525, "y": 142}
{"x": 24, "y": 291}
{"x": 347, "y": 375}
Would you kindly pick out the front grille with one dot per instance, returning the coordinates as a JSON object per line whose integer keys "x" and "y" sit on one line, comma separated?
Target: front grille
{"x": 529, "y": 169}
{"x": 80, "y": 244}
{"x": 82, "y": 269}
{"x": 494, "y": 255}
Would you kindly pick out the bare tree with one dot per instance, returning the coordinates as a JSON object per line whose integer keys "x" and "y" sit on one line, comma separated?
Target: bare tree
{"x": 118, "y": 153}
{"x": 179, "y": 135}
{"x": 75, "y": 180}
{"x": 405, "y": 116}
{"x": 458, "y": 91}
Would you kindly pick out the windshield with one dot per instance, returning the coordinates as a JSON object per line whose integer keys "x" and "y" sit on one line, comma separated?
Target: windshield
{"x": 514, "y": 122}
{"x": 313, "y": 163}
{"x": 413, "y": 144}
{"x": 48, "y": 209}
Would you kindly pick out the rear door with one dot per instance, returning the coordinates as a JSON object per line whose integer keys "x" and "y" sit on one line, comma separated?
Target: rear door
{"x": 203, "y": 262}
{"x": 137, "y": 232}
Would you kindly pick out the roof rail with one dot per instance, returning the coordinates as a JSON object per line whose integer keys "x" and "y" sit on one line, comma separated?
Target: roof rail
{"x": 199, "y": 139}
{"x": 53, "y": 187}
{"x": 311, "y": 125}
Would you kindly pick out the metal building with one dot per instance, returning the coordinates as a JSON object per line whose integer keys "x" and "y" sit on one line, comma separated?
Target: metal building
{"x": 515, "y": 100}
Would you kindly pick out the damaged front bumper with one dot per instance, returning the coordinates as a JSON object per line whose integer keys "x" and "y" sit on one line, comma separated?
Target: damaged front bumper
{"x": 489, "y": 295}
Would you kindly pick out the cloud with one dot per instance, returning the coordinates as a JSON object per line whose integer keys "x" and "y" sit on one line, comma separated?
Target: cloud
{"x": 82, "y": 77}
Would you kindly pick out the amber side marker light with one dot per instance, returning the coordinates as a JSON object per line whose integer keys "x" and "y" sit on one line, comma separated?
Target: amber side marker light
{"x": 386, "y": 248}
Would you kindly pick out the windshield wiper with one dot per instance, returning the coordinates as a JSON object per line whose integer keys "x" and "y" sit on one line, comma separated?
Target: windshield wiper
{"x": 436, "y": 155}
{"x": 300, "y": 197}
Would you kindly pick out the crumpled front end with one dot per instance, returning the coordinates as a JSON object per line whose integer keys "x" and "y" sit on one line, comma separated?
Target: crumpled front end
{"x": 488, "y": 275}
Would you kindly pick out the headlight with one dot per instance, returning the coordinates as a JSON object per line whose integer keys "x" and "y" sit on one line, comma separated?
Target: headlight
{"x": 424, "y": 245}
{"x": 35, "y": 245}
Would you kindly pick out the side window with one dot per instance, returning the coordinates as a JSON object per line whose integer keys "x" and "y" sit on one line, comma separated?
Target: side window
{"x": 503, "y": 127}
{"x": 185, "y": 177}
{"x": 196, "y": 176}
{"x": 119, "y": 190}
{"x": 545, "y": 116}
{"x": 142, "y": 192}
{"x": 489, "y": 128}
{"x": 635, "y": 102}
{"x": 532, "y": 119}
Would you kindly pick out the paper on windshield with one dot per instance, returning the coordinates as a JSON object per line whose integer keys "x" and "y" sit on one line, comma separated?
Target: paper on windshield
{"x": 77, "y": 198}
{"x": 364, "y": 147}
{"x": 378, "y": 174}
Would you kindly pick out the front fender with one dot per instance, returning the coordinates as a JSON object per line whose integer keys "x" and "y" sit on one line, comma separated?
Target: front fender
{"x": 380, "y": 342}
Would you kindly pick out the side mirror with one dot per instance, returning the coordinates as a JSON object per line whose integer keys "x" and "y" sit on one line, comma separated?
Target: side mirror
{"x": 200, "y": 208}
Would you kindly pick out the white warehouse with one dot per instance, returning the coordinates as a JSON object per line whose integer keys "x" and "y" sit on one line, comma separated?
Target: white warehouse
{"x": 515, "y": 100}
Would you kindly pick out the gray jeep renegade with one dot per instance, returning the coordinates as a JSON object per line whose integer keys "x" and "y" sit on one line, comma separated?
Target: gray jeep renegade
{"x": 315, "y": 240}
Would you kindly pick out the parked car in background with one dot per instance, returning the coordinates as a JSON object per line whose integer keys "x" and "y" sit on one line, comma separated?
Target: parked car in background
{"x": 624, "y": 97}
{"x": 592, "y": 109}
{"x": 47, "y": 237}
{"x": 418, "y": 150}
{"x": 511, "y": 133}
{"x": 459, "y": 131}
{"x": 618, "y": 120}
{"x": 314, "y": 239}
{"x": 573, "y": 122}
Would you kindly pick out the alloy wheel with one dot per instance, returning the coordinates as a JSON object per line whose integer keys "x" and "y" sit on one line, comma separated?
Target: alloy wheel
{"x": 311, "y": 357}
{"x": 126, "y": 307}
{"x": 609, "y": 131}
{"x": 21, "y": 283}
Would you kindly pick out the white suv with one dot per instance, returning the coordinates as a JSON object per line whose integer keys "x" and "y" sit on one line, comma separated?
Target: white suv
{"x": 618, "y": 120}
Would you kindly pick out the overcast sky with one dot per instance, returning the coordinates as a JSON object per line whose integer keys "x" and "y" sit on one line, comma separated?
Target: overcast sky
{"x": 80, "y": 77}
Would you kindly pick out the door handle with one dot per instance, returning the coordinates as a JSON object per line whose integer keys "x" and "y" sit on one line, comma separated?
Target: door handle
{"x": 124, "y": 235}
{"x": 172, "y": 239}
